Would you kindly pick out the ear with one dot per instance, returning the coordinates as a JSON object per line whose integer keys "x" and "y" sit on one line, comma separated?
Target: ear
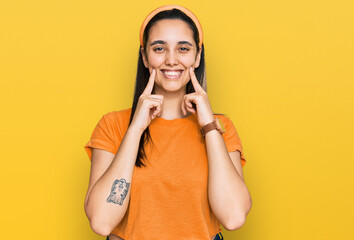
{"x": 146, "y": 63}
{"x": 197, "y": 60}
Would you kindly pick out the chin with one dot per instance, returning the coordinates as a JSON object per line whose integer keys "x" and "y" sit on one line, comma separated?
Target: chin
{"x": 172, "y": 89}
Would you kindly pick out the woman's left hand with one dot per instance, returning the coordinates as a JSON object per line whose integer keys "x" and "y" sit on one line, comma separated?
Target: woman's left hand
{"x": 200, "y": 99}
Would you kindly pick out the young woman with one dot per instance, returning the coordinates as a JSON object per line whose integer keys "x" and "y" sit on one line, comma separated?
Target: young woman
{"x": 168, "y": 167}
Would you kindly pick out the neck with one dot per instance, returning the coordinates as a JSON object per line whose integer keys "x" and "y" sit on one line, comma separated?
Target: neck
{"x": 171, "y": 105}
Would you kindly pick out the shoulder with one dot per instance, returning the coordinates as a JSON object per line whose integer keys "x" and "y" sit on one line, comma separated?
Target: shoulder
{"x": 118, "y": 120}
{"x": 223, "y": 117}
{"x": 118, "y": 115}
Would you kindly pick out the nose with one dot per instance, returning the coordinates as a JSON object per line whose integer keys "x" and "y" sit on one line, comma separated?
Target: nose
{"x": 171, "y": 58}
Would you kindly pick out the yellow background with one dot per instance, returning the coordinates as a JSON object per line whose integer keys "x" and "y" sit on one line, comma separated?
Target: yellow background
{"x": 282, "y": 70}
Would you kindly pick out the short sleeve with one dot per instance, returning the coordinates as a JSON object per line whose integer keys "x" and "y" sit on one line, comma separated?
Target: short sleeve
{"x": 232, "y": 139}
{"x": 105, "y": 136}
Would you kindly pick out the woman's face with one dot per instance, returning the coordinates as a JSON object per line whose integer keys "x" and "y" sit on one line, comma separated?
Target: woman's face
{"x": 171, "y": 50}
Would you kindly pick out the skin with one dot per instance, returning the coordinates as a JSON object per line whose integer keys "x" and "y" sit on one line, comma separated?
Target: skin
{"x": 171, "y": 55}
{"x": 228, "y": 195}
{"x": 229, "y": 198}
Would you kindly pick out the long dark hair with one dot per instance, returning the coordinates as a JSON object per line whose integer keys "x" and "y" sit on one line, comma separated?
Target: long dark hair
{"x": 143, "y": 74}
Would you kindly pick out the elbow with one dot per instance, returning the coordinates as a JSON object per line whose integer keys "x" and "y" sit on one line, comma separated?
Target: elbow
{"x": 97, "y": 225}
{"x": 235, "y": 224}
{"x": 100, "y": 228}
{"x": 101, "y": 224}
{"x": 238, "y": 220}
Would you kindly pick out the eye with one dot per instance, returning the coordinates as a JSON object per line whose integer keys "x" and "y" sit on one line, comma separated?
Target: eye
{"x": 158, "y": 49}
{"x": 184, "y": 49}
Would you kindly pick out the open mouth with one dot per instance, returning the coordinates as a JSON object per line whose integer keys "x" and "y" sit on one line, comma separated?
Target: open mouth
{"x": 172, "y": 74}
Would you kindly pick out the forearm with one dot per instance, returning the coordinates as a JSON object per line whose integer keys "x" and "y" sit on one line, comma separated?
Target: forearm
{"x": 107, "y": 203}
{"x": 228, "y": 195}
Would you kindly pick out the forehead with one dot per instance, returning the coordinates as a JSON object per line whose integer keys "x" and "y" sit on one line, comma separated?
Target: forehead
{"x": 171, "y": 30}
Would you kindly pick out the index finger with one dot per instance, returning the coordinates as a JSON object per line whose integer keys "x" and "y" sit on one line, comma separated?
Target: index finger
{"x": 150, "y": 84}
{"x": 194, "y": 80}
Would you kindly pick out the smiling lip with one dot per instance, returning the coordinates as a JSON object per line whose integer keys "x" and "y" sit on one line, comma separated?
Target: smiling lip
{"x": 171, "y": 74}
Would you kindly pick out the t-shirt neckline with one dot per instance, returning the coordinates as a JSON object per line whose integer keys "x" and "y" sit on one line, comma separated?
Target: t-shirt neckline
{"x": 170, "y": 121}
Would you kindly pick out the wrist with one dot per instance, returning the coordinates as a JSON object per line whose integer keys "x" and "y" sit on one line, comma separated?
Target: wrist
{"x": 211, "y": 119}
{"x": 135, "y": 130}
{"x": 216, "y": 124}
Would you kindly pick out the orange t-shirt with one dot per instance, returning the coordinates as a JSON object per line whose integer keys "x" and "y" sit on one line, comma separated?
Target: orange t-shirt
{"x": 168, "y": 197}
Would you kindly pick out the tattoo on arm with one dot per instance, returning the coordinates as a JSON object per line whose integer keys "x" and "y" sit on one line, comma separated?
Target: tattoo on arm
{"x": 119, "y": 191}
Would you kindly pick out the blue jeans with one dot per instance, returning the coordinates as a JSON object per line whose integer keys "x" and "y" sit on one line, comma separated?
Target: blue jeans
{"x": 218, "y": 236}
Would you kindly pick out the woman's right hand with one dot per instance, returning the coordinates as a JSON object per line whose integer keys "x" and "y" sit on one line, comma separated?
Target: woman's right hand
{"x": 148, "y": 107}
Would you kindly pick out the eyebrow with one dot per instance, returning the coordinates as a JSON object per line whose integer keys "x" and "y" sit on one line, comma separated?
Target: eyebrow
{"x": 164, "y": 42}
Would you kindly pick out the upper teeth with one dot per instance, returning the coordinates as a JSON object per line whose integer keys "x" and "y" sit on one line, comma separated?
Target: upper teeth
{"x": 172, "y": 72}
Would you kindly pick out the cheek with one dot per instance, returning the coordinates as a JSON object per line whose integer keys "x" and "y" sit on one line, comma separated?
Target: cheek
{"x": 187, "y": 61}
{"x": 155, "y": 61}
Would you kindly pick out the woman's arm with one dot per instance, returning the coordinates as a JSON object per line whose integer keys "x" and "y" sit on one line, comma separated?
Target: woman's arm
{"x": 228, "y": 194}
{"x": 110, "y": 183}
{"x": 107, "y": 202}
